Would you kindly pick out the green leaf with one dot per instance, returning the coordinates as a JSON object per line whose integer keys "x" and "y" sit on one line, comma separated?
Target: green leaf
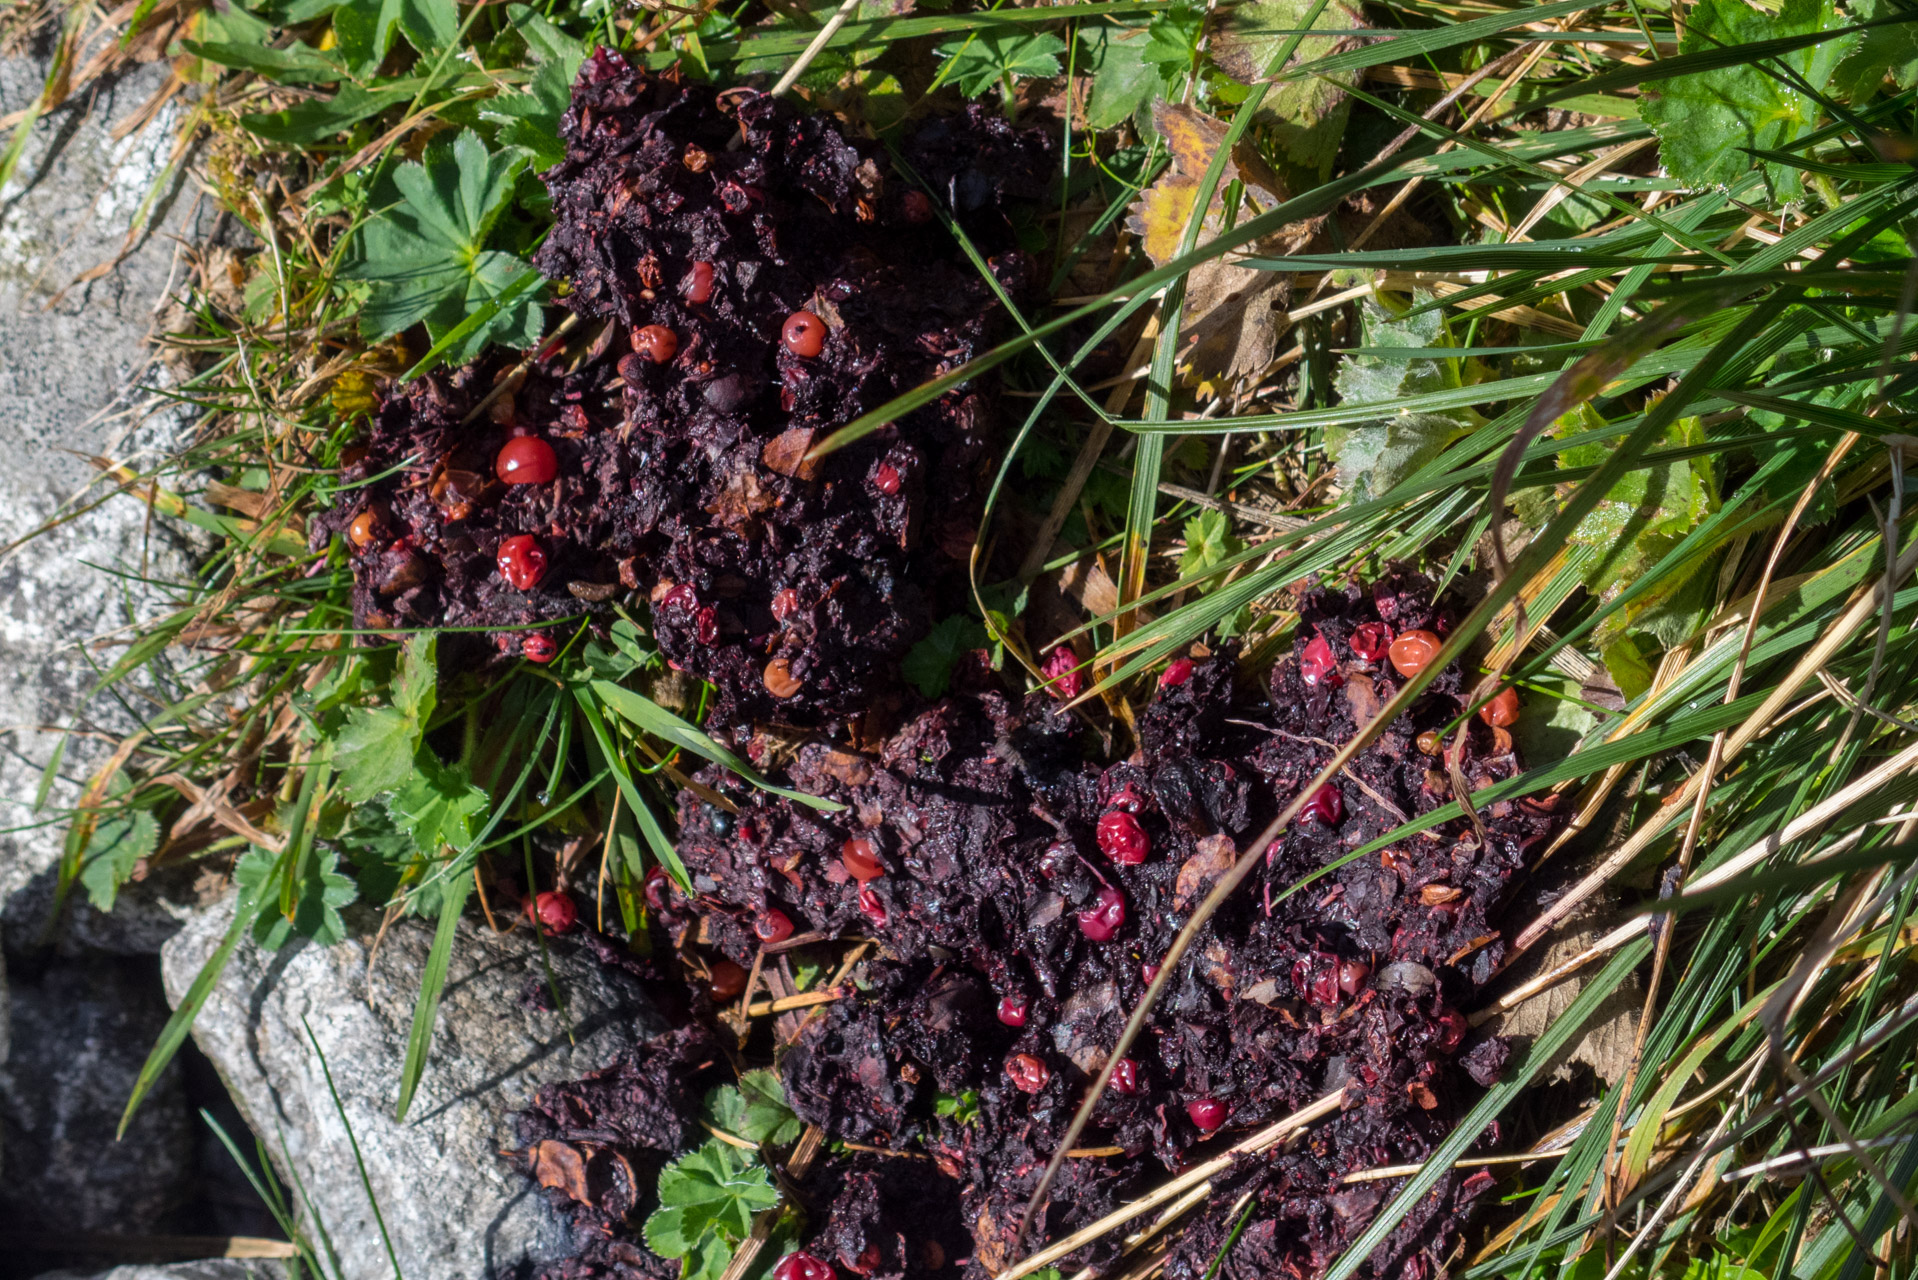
{"x": 1706, "y": 122}
{"x": 118, "y": 843}
{"x": 376, "y": 748}
{"x": 366, "y": 28}
{"x": 318, "y": 119}
{"x": 988, "y": 58}
{"x": 929, "y": 664}
{"x": 316, "y": 913}
{"x": 962, "y": 1106}
{"x": 297, "y": 63}
{"x": 1883, "y": 51}
{"x": 1208, "y": 543}
{"x": 661, "y": 723}
{"x": 707, "y": 1200}
{"x": 426, "y": 255}
{"x": 755, "y": 1109}
{"x": 439, "y": 806}
{"x": 530, "y": 120}
{"x": 1375, "y": 456}
{"x": 1172, "y": 38}
{"x": 426, "y": 1009}
{"x": 1121, "y": 82}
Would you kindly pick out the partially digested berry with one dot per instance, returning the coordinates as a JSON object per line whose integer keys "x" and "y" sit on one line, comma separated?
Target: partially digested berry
{"x": 860, "y": 860}
{"x": 1412, "y": 652}
{"x": 1063, "y": 674}
{"x": 1125, "y": 1077}
{"x": 804, "y": 334}
{"x": 1326, "y": 805}
{"x": 656, "y": 343}
{"x": 1123, "y": 840}
{"x": 1176, "y": 673}
{"x": 658, "y": 888}
{"x": 1149, "y": 972}
{"x": 1013, "y": 1010}
{"x": 706, "y": 625}
{"x": 773, "y": 926}
{"x": 918, "y": 206}
{"x": 1451, "y": 1030}
{"x": 785, "y": 604}
{"x": 1105, "y": 917}
{"x": 364, "y": 529}
{"x": 1317, "y": 666}
{"x": 526, "y": 460}
{"x": 538, "y": 647}
{"x": 556, "y": 911}
{"x": 1207, "y": 1114}
{"x": 885, "y": 478}
{"x": 522, "y": 561}
{"x": 1028, "y": 1072}
{"x": 781, "y": 683}
{"x": 1352, "y": 976}
{"x": 726, "y": 980}
{"x": 803, "y": 1266}
{"x": 1371, "y": 640}
{"x": 697, "y": 286}
{"x": 873, "y": 908}
{"x": 1502, "y": 710}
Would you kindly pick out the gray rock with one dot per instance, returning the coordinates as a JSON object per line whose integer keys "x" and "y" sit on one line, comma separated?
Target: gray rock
{"x": 209, "y": 1269}
{"x": 454, "y": 1208}
{"x": 80, "y": 1030}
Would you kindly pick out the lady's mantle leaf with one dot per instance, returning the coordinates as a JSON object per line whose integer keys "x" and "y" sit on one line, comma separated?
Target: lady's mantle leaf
{"x": 1375, "y": 456}
{"x": 118, "y": 843}
{"x": 376, "y": 749}
{"x": 1707, "y": 123}
{"x": 426, "y": 256}
{"x": 994, "y": 56}
{"x": 755, "y": 1109}
{"x": 316, "y": 914}
{"x": 929, "y": 664}
{"x": 707, "y": 1200}
{"x": 530, "y": 120}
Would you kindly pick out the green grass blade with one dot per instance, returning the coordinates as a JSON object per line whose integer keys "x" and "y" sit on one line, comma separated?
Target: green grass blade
{"x": 426, "y": 1008}
{"x": 652, "y": 718}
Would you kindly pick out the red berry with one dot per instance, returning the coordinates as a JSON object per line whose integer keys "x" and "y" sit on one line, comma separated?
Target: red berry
{"x": 658, "y": 886}
{"x": 1013, "y": 1010}
{"x": 556, "y": 911}
{"x": 1207, "y": 1113}
{"x": 1413, "y": 651}
{"x": 656, "y": 342}
{"x": 1326, "y": 805}
{"x": 785, "y": 604}
{"x": 1177, "y": 672}
{"x": 1105, "y": 917}
{"x": 1125, "y": 1077}
{"x": 803, "y": 1266}
{"x": 918, "y": 206}
{"x": 680, "y": 597}
{"x": 706, "y": 625}
{"x": 1123, "y": 840}
{"x": 1149, "y": 972}
{"x": 1061, "y": 669}
{"x": 872, "y": 908}
{"x": 1451, "y": 1030}
{"x": 522, "y": 561}
{"x": 1317, "y": 665}
{"x": 697, "y": 286}
{"x": 1028, "y": 1072}
{"x": 526, "y": 460}
{"x": 726, "y": 980}
{"x": 1371, "y": 640}
{"x": 773, "y": 926}
{"x": 1352, "y": 975}
{"x": 538, "y": 648}
{"x": 885, "y": 478}
{"x": 1316, "y": 985}
{"x": 804, "y": 334}
{"x": 861, "y": 863}
{"x": 1502, "y": 710}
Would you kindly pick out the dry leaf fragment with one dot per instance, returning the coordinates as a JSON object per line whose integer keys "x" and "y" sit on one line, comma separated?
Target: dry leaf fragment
{"x": 561, "y": 1167}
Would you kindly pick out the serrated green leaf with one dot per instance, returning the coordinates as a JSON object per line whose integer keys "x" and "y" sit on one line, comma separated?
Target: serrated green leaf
{"x": 707, "y": 1200}
{"x": 1883, "y": 51}
{"x": 316, "y": 913}
{"x": 1208, "y": 542}
{"x": 118, "y": 843}
{"x": 530, "y": 119}
{"x": 376, "y": 747}
{"x": 755, "y": 1109}
{"x": 929, "y": 664}
{"x": 438, "y": 805}
{"x": 366, "y": 28}
{"x": 1120, "y": 82}
{"x": 987, "y": 58}
{"x": 1707, "y": 122}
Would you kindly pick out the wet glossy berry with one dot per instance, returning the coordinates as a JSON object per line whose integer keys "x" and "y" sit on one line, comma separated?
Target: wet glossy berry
{"x": 526, "y": 460}
{"x": 861, "y": 863}
{"x": 1502, "y": 710}
{"x": 364, "y": 529}
{"x": 1371, "y": 640}
{"x": 1451, "y": 1030}
{"x": 872, "y": 908}
{"x": 1028, "y": 1072}
{"x": 522, "y": 561}
{"x": 656, "y": 342}
{"x": 538, "y": 648}
{"x": 1317, "y": 666}
{"x": 773, "y": 926}
{"x": 785, "y": 604}
{"x": 680, "y": 597}
{"x": 706, "y": 625}
{"x": 1105, "y": 917}
{"x": 1352, "y": 976}
{"x": 1430, "y": 743}
{"x": 1123, "y": 840}
{"x": 1326, "y": 805}
{"x": 727, "y": 980}
{"x": 1207, "y": 1114}
{"x": 658, "y": 888}
{"x": 1061, "y": 669}
{"x": 1013, "y": 1010}
{"x": 697, "y": 287}
{"x": 803, "y": 1266}
{"x": 1412, "y": 652}
{"x": 1148, "y": 972}
{"x": 556, "y": 911}
{"x": 885, "y": 478}
{"x": 1125, "y": 1077}
{"x": 804, "y": 334}
{"x": 1176, "y": 673}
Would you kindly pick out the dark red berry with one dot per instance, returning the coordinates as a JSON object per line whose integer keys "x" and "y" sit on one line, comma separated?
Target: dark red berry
{"x": 1013, "y": 1010}
{"x": 1326, "y": 805}
{"x": 872, "y": 908}
{"x": 556, "y": 911}
{"x": 680, "y": 597}
{"x": 1316, "y": 983}
{"x": 1352, "y": 975}
{"x": 1125, "y": 1077}
{"x": 726, "y": 980}
{"x": 804, "y": 334}
{"x": 1061, "y": 669}
{"x": 885, "y": 478}
{"x": 1149, "y": 973}
{"x": 697, "y": 287}
{"x": 1207, "y": 1113}
{"x": 803, "y": 1266}
{"x": 773, "y": 926}
{"x": 1105, "y": 917}
{"x": 1317, "y": 665}
{"x": 1412, "y": 652}
{"x": 526, "y": 460}
{"x": 658, "y": 886}
{"x": 1451, "y": 1030}
{"x": 538, "y": 648}
{"x": 1176, "y": 673}
{"x": 706, "y": 625}
{"x": 861, "y": 863}
{"x": 1371, "y": 640}
{"x": 1502, "y": 710}
{"x": 1123, "y": 840}
{"x": 1028, "y": 1072}
{"x": 522, "y": 561}
{"x": 918, "y": 206}
{"x": 656, "y": 342}
{"x": 785, "y": 604}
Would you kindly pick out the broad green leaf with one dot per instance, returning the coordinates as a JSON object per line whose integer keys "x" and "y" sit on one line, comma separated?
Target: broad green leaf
{"x": 317, "y": 910}
{"x": 529, "y": 120}
{"x": 929, "y": 664}
{"x": 1120, "y": 82}
{"x": 366, "y": 28}
{"x": 1303, "y": 120}
{"x": 438, "y": 805}
{"x": 1881, "y": 52}
{"x": 1208, "y": 543}
{"x": 297, "y": 63}
{"x": 1375, "y": 456}
{"x": 991, "y": 57}
{"x": 661, "y": 723}
{"x": 376, "y": 748}
{"x": 707, "y": 1200}
{"x": 754, "y": 1109}
{"x": 118, "y": 842}
{"x": 1706, "y": 122}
